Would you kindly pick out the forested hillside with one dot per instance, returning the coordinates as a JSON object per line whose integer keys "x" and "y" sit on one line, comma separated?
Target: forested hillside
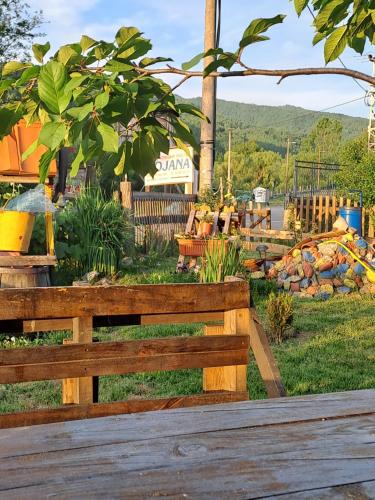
{"x": 270, "y": 126}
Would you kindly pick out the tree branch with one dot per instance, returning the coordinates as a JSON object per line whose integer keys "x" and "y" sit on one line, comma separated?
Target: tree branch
{"x": 282, "y": 73}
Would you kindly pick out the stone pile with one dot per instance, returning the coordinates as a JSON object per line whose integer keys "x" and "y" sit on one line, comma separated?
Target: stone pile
{"x": 322, "y": 268}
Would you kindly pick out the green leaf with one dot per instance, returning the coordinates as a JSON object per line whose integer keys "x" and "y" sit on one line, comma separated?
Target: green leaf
{"x": 77, "y": 162}
{"x": 13, "y": 67}
{"x": 148, "y": 61}
{"x": 120, "y": 162}
{"x": 183, "y": 132}
{"x": 193, "y": 62}
{"x": 192, "y": 110}
{"x": 335, "y": 44}
{"x": 52, "y": 134}
{"x": 300, "y": 6}
{"x": 101, "y": 100}
{"x": 181, "y": 145}
{"x": 124, "y": 34}
{"x": 66, "y": 54}
{"x": 44, "y": 164}
{"x": 51, "y": 87}
{"x": 75, "y": 82}
{"x": 110, "y": 138}
{"x": 318, "y": 38}
{"x": 86, "y": 42}
{"x": 8, "y": 118}
{"x": 4, "y": 86}
{"x": 139, "y": 48}
{"x": 261, "y": 25}
{"x": 40, "y": 51}
{"x": 358, "y": 44}
{"x": 118, "y": 66}
{"x": 28, "y": 74}
{"x": 80, "y": 113}
{"x": 249, "y": 40}
{"x": 30, "y": 150}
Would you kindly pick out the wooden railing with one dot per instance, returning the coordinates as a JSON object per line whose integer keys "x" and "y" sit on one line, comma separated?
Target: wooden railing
{"x": 222, "y": 353}
{"x": 320, "y": 212}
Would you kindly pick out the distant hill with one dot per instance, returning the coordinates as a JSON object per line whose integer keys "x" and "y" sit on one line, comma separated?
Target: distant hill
{"x": 270, "y": 126}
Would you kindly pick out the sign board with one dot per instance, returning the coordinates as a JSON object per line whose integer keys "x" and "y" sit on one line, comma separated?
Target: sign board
{"x": 261, "y": 195}
{"x": 174, "y": 168}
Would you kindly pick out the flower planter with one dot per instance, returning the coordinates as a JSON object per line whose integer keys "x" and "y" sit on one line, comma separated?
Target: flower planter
{"x": 15, "y": 230}
{"x": 205, "y": 229}
{"x": 14, "y": 145}
{"x": 197, "y": 248}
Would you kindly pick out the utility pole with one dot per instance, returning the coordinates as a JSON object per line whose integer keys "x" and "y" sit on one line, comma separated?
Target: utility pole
{"x": 207, "y": 157}
{"x": 371, "y": 122}
{"x": 289, "y": 142}
{"x": 229, "y": 177}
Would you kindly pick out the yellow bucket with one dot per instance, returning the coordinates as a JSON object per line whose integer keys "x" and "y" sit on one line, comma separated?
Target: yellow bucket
{"x": 15, "y": 230}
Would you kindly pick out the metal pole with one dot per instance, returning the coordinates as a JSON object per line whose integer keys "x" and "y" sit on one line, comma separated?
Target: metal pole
{"x": 207, "y": 158}
{"x": 229, "y": 178}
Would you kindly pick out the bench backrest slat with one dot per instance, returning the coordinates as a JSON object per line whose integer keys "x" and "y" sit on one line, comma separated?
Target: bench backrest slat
{"x": 117, "y": 358}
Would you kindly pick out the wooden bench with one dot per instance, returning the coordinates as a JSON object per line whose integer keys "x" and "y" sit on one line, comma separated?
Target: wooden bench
{"x": 222, "y": 352}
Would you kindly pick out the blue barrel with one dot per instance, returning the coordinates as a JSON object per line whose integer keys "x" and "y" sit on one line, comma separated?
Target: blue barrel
{"x": 353, "y": 217}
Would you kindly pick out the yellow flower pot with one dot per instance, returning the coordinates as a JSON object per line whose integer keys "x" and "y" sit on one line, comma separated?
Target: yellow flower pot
{"x": 15, "y": 231}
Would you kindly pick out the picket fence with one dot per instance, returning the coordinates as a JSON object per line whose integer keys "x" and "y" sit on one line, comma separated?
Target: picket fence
{"x": 319, "y": 212}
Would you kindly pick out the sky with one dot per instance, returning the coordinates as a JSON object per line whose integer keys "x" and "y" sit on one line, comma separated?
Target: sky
{"x": 176, "y": 28}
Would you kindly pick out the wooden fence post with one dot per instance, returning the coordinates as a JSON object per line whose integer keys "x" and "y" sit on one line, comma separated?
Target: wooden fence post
{"x": 228, "y": 378}
{"x": 79, "y": 390}
{"x": 126, "y": 195}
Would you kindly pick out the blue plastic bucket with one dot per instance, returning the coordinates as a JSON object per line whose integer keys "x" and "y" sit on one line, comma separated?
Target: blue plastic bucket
{"x": 353, "y": 217}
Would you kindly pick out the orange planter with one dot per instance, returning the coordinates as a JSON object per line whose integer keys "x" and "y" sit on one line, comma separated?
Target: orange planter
{"x": 197, "y": 248}
{"x": 14, "y": 145}
{"x": 205, "y": 228}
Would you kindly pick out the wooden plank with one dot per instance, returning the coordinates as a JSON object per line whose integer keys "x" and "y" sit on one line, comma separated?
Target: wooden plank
{"x": 264, "y": 358}
{"x": 215, "y": 227}
{"x": 83, "y": 411}
{"x": 27, "y": 260}
{"x": 178, "y": 422}
{"x": 269, "y": 233}
{"x": 314, "y": 210}
{"x": 160, "y": 319}
{"x": 54, "y": 302}
{"x": 307, "y": 213}
{"x": 47, "y": 325}
{"x": 326, "y": 214}
{"x": 272, "y": 247}
{"x": 114, "y": 358}
{"x": 320, "y": 214}
{"x": 226, "y": 227}
{"x": 247, "y": 463}
{"x": 190, "y": 222}
{"x": 228, "y": 378}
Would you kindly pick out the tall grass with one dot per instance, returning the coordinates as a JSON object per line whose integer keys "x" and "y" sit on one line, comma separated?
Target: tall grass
{"x": 220, "y": 260}
{"x": 94, "y": 233}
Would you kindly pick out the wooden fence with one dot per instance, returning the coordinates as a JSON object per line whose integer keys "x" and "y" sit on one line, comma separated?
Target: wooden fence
{"x": 162, "y": 213}
{"x": 222, "y": 352}
{"x": 320, "y": 212}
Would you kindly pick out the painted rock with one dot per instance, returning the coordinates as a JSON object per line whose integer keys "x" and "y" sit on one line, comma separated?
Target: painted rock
{"x": 326, "y": 266}
{"x": 308, "y": 256}
{"x": 308, "y": 269}
{"x": 326, "y": 281}
{"x": 337, "y": 282}
{"x": 350, "y": 283}
{"x": 305, "y": 283}
{"x": 291, "y": 269}
{"x": 295, "y": 287}
{"x": 312, "y": 290}
{"x": 343, "y": 290}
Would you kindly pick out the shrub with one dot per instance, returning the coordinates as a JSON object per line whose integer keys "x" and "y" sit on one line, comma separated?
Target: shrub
{"x": 280, "y": 315}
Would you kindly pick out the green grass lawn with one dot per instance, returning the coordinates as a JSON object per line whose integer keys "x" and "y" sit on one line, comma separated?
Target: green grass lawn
{"x": 333, "y": 350}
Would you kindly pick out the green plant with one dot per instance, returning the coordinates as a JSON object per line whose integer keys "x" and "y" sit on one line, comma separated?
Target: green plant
{"x": 221, "y": 259}
{"x": 155, "y": 247}
{"x": 208, "y": 218}
{"x": 280, "y": 315}
{"x": 93, "y": 233}
{"x": 209, "y": 198}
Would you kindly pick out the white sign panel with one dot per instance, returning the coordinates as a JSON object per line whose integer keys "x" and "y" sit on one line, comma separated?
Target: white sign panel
{"x": 261, "y": 195}
{"x": 174, "y": 168}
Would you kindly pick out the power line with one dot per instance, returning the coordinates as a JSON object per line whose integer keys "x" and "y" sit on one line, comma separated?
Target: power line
{"x": 316, "y": 111}
{"x": 339, "y": 58}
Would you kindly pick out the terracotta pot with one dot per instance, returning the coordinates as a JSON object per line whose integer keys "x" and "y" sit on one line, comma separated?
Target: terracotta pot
{"x": 205, "y": 228}
{"x": 14, "y": 145}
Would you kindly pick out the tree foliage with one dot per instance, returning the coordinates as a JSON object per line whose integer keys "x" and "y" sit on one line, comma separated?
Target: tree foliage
{"x": 358, "y": 169}
{"x": 17, "y": 29}
{"x": 251, "y": 167}
{"x": 323, "y": 142}
{"x": 89, "y": 94}
{"x": 341, "y": 23}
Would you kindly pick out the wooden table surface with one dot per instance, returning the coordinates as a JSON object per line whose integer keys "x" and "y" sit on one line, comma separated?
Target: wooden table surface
{"x": 319, "y": 446}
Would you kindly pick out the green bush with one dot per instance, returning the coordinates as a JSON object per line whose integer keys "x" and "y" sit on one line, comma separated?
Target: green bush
{"x": 92, "y": 234}
{"x": 280, "y": 315}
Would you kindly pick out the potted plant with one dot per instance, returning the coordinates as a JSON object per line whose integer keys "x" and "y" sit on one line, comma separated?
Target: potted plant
{"x": 208, "y": 200}
{"x": 205, "y": 225}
